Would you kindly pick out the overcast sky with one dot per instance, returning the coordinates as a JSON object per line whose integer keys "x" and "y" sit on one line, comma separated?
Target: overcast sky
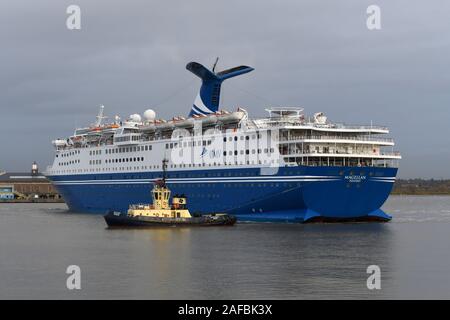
{"x": 131, "y": 56}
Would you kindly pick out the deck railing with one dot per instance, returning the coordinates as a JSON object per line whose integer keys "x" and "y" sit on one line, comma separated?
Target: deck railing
{"x": 309, "y": 124}
{"x": 323, "y": 137}
{"x": 335, "y": 152}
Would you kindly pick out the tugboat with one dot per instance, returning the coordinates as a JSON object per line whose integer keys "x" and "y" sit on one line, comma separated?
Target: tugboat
{"x": 164, "y": 213}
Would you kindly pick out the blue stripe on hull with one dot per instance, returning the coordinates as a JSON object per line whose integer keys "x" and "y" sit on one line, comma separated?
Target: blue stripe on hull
{"x": 294, "y": 194}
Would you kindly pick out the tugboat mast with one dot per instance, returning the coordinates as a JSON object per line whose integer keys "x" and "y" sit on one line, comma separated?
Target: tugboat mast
{"x": 164, "y": 167}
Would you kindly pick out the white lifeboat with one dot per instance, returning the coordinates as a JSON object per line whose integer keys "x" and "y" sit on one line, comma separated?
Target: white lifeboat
{"x": 163, "y": 124}
{"x": 60, "y": 143}
{"x": 226, "y": 116}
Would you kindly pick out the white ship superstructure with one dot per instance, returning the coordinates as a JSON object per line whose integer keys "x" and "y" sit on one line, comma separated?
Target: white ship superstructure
{"x": 135, "y": 145}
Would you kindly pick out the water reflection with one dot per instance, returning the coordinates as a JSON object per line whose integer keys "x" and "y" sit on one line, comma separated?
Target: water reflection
{"x": 248, "y": 261}
{"x": 262, "y": 260}
{"x": 291, "y": 261}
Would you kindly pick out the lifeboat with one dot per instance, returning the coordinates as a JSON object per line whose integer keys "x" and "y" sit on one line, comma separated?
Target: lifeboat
{"x": 185, "y": 123}
{"x": 164, "y": 125}
{"x": 58, "y": 143}
{"x": 226, "y": 116}
{"x": 222, "y": 116}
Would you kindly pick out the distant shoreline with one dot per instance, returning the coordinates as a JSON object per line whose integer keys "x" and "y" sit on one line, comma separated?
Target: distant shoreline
{"x": 421, "y": 187}
{"x": 33, "y": 201}
{"x": 419, "y": 194}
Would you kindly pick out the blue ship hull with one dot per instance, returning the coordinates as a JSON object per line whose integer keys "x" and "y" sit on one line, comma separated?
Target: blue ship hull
{"x": 293, "y": 194}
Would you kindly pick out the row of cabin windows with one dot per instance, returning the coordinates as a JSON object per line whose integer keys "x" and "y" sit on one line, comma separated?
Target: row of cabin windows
{"x": 271, "y": 150}
{"x": 241, "y": 137}
{"x": 128, "y": 149}
{"x": 174, "y": 166}
{"x": 171, "y": 145}
{"x": 206, "y": 142}
{"x": 188, "y": 144}
{"x": 68, "y": 154}
{"x": 122, "y": 139}
{"x": 101, "y": 169}
{"x": 127, "y": 138}
{"x": 125, "y": 160}
{"x": 97, "y": 162}
{"x": 226, "y": 163}
{"x": 95, "y": 152}
{"x": 149, "y": 147}
{"x": 121, "y": 150}
{"x": 68, "y": 163}
{"x": 105, "y": 169}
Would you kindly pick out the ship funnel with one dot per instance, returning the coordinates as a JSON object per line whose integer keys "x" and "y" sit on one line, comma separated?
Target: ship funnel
{"x": 208, "y": 99}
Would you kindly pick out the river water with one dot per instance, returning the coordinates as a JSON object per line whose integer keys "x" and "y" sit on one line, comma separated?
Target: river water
{"x": 248, "y": 261}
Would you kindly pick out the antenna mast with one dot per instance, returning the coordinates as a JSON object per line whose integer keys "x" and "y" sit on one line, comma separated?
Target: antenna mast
{"x": 164, "y": 167}
{"x": 215, "y": 64}
{"x": 100, "y": 116}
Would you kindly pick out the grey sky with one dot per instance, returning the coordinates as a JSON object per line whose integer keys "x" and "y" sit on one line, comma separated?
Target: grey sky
{"x": 131, "y": 55}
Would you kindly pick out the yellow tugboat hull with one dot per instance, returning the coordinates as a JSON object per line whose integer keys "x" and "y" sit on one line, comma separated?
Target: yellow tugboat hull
{"x": 170, "y": 213}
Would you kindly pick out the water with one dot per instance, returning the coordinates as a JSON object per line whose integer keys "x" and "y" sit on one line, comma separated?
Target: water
{"x": 248, "y": 261}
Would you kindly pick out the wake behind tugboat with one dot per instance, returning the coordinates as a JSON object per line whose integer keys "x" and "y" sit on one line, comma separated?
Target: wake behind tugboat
{"x": 163, "y": 213}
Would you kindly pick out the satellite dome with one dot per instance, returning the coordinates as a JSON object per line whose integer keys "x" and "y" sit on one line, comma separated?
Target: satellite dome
{"x": 149, "y": 115}
{"x": 135, "y": 117}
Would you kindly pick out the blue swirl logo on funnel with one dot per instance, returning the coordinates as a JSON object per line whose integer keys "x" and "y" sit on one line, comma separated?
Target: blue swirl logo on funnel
{"x": 208, "y": 99}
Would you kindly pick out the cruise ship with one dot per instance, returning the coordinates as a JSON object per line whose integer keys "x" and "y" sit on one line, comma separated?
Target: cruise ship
{"x": 285, "y": 167}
